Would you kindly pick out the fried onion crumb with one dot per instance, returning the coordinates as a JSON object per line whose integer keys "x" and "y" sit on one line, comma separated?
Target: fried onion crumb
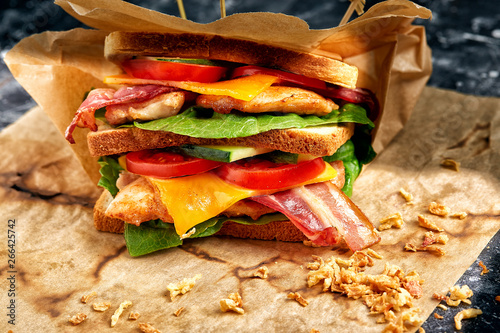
{"x": 147, "y": 328}
{"x": 314, "y": 331}
{"x": 298, "y": 297}
{"x": 389, "y": 294}
{"x": 421, "y": 330}
{"x": 437, "y": 316}
{"x": 182, "y": 287}
{"x": 442, "y": 306}
{"x": 232, "y": 303}
{"x": 466, "y": 314}
{"x": 438, "y": 209}
{"x": 459, "y": 215}
{"x": 451, "y": 164}
{"x": 78, "y": 319}
{"x": 406, "y": 195}
{"x": 426, "y": 223}
{"x": 310, "y": 243}
{"x": 178, "y": 312}
{"x": 497, "y": 298}
{"x": 119, "y": 311}
{"x": 134, "y": 316}
{"x": 101, "y": 306}
{"x": 457, "y": 295}
{"x": 395, "y": 220}
{"x": 86, "y": 298}
{"x": 485, "y": 270}
{"x": 261, "y": 272}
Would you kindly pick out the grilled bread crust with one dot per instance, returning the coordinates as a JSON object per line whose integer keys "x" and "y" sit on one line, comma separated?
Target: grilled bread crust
{"x": 124, "y": 45}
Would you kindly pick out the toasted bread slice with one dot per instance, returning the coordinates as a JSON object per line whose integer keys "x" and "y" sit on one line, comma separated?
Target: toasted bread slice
{"x": 317, "y": 141}
{"x": 124, "y": 45}
{"x": 283, "y": 231}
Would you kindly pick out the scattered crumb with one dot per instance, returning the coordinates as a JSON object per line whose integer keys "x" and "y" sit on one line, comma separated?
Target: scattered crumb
{"x": 457, "y": 295}
{"x": 406, "y": 195}
{"x": 86, "y": 298}
{"x": 438, "y": 316}
{"x": 460, "y": 215}
{"x": 314, "y": 331}
{"x": 310, "y": 243}
{"x": 261, "y": 272}
{"x": 388, "y": 294}
{"x": 101, "y": 306}
{"x": 134, "y": 316}
{"x": 178, "y": 312}
{"x": 147, "y": 328}
{"x": 78, "y": 319}
{"x": 432, "y": 238}
{"x": 421, "y": 330}
{"x": 442, "y": 306}
{"x": 232, "y": 303}
{"x": 450, "y": 164}
{"x": 429, "y": 248}
{"x": 118, "y": 312}
{"x": 374, "y": 254}
{"x": 497, "y": 298}
{"x": 438, "y": 209}
{"x": 182, "y": 287}
{"x": 394, "y": 220}
{"x": 485, "y": 270}
{"x": 298, "y": 297}
{"x": 188, "y": 234}
{"x": 466, "y": 314}
{"x": 425, "y": 223}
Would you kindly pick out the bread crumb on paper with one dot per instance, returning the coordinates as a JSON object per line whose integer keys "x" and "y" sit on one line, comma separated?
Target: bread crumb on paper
{"x": 465, "y": 314}
{"x": 438, "y": 209}
{"x": 262, "y": 272}
{"x": 394, "y": 220}
{"x": 485, "y": 270}
{"x": 134, "y": 316}
{"x": 426, "y": 223}
{"x": 406, "y": 195}
{"x": 78, "y": 319}
{"x": 119, "y": 311}
{"x": 451, "y": 164}
{"x": 86, "y": 298}
{"x": 298, "y": 297}
{"x": 389, "y": 294}
{"x": 178, "y": 312}
{"x": 182, "y": 287}
{"x": 101, "y": 306}
{"x": 232, "y": 303}
{"x": 459, "y": 215}
{"x": 147, "y": 328}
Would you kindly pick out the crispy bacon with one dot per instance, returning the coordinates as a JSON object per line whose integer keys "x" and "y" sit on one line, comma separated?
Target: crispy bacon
{"x": 324, "y": 214}
{"x": 99, "y": 98}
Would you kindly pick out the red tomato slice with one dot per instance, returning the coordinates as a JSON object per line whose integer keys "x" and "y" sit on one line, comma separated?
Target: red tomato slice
{"x": 300, "y": 80}
{"x": 163, "y": 164}
{"x": 258, "y": 174}
{"x": 173, "y": 71}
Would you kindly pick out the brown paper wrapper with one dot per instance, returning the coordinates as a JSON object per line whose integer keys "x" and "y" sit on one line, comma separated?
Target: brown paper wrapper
{"x": 392, "y": 55}
{"x": 60, "y": 256}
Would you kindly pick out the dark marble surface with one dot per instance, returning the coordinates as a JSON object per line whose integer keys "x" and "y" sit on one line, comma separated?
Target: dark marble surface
{"x": 464, "y": 36}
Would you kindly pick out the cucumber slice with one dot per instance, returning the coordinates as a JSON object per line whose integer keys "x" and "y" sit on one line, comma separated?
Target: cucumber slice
{"x": 205, "y": 62}
{"x": 290, "y": 158}
{"x": 222, "y": 153}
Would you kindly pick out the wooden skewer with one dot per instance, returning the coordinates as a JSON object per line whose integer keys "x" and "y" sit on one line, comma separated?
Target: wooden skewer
{"x": 222, "y": 8}
{"x": 181, "y": 9}
{"x": 357, "y": 5}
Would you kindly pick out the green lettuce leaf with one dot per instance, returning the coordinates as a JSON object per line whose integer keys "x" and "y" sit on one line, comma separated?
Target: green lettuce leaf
{"x": 204, "y": 123}
{"x": 156, "y": 235}
{"x": 110, "y": 170}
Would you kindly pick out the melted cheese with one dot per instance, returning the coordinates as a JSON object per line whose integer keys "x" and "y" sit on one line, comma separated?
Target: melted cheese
{"x": 244, "y": 88}
{"x": 194, "y": 199}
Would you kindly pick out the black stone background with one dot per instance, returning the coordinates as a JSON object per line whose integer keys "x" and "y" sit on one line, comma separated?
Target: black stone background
{"x": 464, "y": 36}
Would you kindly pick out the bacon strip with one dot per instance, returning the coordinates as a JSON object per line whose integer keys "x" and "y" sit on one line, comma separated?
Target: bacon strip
{"x": 99, "y": 98}
{"x": 324, "y": 214}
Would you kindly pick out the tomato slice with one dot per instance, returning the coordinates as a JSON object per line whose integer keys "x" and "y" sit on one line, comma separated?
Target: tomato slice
{"x": 173, "y": 71}
{"x": 297, "y": 79}
{"x": 165, "y": 164}
{"x": 259, "y": 174}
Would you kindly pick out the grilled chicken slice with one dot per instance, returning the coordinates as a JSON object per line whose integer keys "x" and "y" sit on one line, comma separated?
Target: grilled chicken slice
{"x": 273, "y": 99}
